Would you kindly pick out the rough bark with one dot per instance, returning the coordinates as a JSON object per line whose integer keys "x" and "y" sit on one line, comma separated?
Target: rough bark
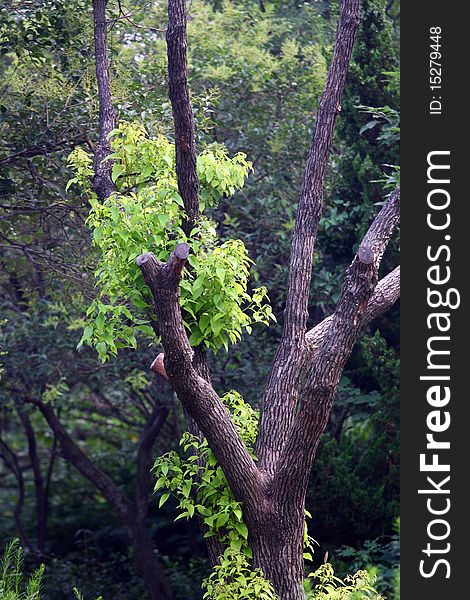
{"x": 273, "y": 507}
{"x": 384, "y": 297}
{"x": 102, "y": 182}
{"x": 283, "y": 381}
{"x": 188, "y": 185}
{"x": 132, "y": 515}
{"x": 185, "y": 144}
{"x": 195, "y": 393}
{"x": 330, "y": 356}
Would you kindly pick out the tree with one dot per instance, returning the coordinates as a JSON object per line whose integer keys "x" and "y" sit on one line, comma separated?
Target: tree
{"x": 303, "y": 380}
{"x": 301, "y": 387}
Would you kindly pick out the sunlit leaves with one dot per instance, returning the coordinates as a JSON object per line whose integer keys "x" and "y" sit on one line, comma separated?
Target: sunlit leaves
{"x": 199, "y": 484}
{"x": 325, "y": 584}
{"x": 234, "y": 578}
{"x": 200, "y": 488}
{"x": 147, "y": 215}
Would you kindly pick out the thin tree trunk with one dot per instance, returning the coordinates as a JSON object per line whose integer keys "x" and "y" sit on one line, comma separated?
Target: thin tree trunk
{"x": 102, "y": 182}
{"x": 304, "y": 377}
{"x": 130, "y": 514}
{"x": 146, "y": 560}
{"x": 39, "y": 487}
{"x": 185, "y": 143}
{"x": 12, "y": 463}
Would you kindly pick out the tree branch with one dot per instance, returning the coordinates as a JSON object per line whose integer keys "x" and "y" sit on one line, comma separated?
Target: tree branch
{"x": 195, "y": 393}
{"x": 144, "y": 458}
{"x": 185, "y": 144}
{"x": 84, "y": 465}
{"x": 330, "y": 357}
{"x": 384, "y": 297}
{"x": 283, "y": 379}
{"x": 102, "y": 182}
{"x": 41, "y": 149}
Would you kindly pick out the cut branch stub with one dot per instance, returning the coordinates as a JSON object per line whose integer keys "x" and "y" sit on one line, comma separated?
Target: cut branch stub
{"x": 178, "y": 259}
{"x": 197, "y": 396}
{"x": 182, "y": 251}
{"x": 171, "y": 271}
{"x": 158, "y": 365}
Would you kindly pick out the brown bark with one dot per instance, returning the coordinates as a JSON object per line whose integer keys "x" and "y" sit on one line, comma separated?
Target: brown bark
{"x": 283, "y": 381}
{"x": 384, "y": 297}
{"x": 102, "y": 182}
{"x": 195, "y": 393}
{"x": 329, "y": 358}
{"x": 185, "y": 144}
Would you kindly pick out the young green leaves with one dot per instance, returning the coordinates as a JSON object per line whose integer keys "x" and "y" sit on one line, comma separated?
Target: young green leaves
{"x": 146, "y": 215}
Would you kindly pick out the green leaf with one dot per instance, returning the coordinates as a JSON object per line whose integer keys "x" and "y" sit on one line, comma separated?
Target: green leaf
{"x": 87, "y": 332}
{"x": 117, "y": 171}
{"x": 163, "y": 499}
{"x": 204, "y": 322}
{"x": 221, "y": 520}
{"x": 242, "y": 530}
{"x": 163, "y": 219}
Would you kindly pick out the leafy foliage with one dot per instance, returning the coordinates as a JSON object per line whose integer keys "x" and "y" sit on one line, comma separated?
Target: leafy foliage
{"x": 147, "y": 215}
{"x": 201, "y": 489}
{"x": 12, "y": 583}
{"x": 379, "y": 556}
{"x": 199, "y": 484}
{"x": 354, "y": 587}
{"x": 233, "y": 579}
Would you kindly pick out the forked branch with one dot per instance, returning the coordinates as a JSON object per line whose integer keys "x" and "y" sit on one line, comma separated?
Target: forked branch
{"x": 283, "y": 381}
{"x": 384, "y": 297}
{"x": 337, "y": 342}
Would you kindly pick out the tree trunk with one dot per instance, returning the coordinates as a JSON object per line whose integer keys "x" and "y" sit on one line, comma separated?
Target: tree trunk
{"x": 40, "y": 488}
{"x": 306, "y": 371}
{"x": 277, "y": 544}
{"x": 130, "y": 513}
{"x": 146, "y": 560}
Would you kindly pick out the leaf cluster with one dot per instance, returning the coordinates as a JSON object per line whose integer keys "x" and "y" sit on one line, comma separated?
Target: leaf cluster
{"x": 359, "y": 586}
{"x": 147, "y": 214}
